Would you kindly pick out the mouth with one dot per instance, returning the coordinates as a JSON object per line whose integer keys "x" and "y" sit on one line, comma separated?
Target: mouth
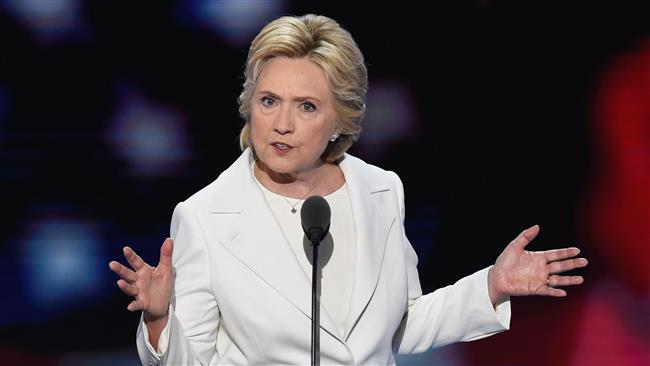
{"x": 281, "y": 146}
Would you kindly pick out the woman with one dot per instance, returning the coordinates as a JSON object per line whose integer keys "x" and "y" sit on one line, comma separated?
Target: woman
{"x": 236, "y": 289}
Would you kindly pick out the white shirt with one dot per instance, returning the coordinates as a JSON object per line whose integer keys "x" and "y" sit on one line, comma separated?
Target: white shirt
{"x": 337, "y": 254}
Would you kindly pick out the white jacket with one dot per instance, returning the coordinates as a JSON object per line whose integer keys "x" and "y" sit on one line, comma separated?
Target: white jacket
{"x": 240, "y": 296}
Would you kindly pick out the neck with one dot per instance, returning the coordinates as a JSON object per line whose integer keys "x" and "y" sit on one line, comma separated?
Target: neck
{"x": 322, "y": 180}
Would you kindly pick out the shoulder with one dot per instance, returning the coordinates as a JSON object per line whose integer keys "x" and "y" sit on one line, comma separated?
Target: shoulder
{"x": 369, "y": 173}
{"x": 230, "y": 185}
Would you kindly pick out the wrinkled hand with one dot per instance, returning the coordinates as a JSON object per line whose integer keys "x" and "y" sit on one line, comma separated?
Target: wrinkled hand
{"x": 151, "y": 287}
{"x": 518, "y": 272}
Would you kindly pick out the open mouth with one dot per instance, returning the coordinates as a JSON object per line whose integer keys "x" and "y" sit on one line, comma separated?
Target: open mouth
{"x": 281, "y": 146}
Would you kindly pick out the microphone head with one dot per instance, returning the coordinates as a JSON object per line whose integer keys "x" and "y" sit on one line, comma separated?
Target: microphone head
{"x": 315, "y": 216}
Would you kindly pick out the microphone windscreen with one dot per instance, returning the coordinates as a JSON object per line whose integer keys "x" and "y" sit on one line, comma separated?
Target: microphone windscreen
{"x": 315, "y": 214}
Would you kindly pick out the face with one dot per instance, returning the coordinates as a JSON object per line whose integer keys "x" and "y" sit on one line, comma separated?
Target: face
{"x": 292, "y": 116}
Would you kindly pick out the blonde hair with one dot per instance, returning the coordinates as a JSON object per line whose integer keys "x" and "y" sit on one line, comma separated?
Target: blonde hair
{"x": 323, "y": 41}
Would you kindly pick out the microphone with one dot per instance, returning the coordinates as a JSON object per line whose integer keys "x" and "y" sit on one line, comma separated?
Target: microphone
{"x": 315, "y": 216}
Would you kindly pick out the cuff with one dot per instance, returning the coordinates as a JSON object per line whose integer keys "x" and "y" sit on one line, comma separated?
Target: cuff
{"x": 501, "y": 311}
{"x": 163, "y": 341}
{"x": 489, "y": 319}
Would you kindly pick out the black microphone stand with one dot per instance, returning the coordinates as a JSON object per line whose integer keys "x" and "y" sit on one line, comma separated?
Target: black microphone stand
{"x": 315, "y": 217}
{"x": 315, "y": 303}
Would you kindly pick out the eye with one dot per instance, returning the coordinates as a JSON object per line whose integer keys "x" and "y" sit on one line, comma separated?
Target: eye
{"x": 308, "y": 107}
{"x": 268, "y": 101}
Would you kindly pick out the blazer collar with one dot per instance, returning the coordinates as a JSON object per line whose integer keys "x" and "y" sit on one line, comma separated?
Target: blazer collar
{"x": 238, "y": 181}
{"x": 256, "y": 239}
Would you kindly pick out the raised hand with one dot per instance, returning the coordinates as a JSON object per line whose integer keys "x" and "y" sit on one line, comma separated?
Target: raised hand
{"x": 151, "y": 287}
{"x": 518, "y": 272}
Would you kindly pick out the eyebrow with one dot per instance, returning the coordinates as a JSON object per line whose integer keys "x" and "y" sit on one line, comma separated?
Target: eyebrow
{"x": 299, "y": 98}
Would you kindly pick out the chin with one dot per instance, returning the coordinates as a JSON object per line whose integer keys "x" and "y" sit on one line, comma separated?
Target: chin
{"x": 276, "y": 165}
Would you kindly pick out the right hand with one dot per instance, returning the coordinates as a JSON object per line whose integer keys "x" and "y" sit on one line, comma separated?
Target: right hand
{"x": 151, "y": 287}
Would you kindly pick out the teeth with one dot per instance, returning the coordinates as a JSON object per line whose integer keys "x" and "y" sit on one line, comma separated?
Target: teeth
{"x": 281, "y": 146}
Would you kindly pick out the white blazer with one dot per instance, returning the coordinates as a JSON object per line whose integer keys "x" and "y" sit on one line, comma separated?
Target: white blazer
{"x": 241, "y": 297}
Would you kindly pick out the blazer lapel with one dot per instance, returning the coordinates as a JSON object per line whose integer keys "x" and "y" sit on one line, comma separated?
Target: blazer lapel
{"x": 257, "y": 241}
{"x": 374, "y": 217}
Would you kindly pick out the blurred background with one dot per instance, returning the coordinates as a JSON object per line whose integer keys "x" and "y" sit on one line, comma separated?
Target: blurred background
{"x": 497, "y": 115}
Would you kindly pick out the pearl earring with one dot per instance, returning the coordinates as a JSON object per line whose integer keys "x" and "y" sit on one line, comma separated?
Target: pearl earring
{"x": 334, "y": 137}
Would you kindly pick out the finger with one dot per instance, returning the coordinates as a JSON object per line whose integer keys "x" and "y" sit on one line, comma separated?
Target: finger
{"x": 551, "y": 291}
{"x": 122, "y": 271}
{"x": 566, "y": 265}
{"x": 526, "y": 236}
{"x": 127, "y": 288}
{"x": 135, "y": 305}
{"x": 133, "y": 258}
{"x": 556, "y": 281}
{"x": 560, "y": 254}
{"x": 166, "y": 251}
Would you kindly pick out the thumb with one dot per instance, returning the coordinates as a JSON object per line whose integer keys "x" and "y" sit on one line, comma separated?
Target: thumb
{"x": 526, "y": 236}
{"x": 166, "y": 251}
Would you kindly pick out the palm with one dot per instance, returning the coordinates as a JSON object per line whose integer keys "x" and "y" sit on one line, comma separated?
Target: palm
{"x": 150, "y": 287}
{"x": 518, "y": 272}
{"x": 524, "y": 272}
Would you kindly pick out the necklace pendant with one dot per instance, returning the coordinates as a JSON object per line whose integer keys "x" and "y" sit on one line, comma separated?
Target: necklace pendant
{"x": 293, "y": 210}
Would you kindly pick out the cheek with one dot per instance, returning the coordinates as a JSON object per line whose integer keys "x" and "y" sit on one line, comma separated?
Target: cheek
{"x": 258, "y": 140}
{"x": 259, "y": 127}
{"x": 319, "y": 141}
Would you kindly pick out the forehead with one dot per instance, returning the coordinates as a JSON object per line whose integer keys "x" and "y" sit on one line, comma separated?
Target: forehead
{"x": 299, "y": 76}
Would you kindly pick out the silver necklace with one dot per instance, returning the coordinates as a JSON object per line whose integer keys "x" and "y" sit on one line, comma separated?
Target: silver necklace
{"x": 293, "y": 205}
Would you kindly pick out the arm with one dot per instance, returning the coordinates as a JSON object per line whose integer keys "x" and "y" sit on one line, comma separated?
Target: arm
{"x": 460, "y": 312}
{"x": 190, "y": 334}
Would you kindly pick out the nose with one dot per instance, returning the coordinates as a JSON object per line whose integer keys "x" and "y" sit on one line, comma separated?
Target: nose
{"x": 284, "y": 122}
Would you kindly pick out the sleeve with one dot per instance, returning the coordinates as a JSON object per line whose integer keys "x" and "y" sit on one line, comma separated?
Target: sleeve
{"x": 190, "y": 336}
{"x": 460, "y": 312}
{"x": 162, "y": 341}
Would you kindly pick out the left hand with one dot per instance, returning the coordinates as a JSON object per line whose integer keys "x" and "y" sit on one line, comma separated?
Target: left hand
{"x": 518, "y": 272}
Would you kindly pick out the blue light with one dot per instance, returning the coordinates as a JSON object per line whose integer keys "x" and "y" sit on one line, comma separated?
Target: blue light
{"x": 62, "y": 262}
{"x": 390, "y": 118}
{"x": 151, "y": 138}
{"x": 236, "y": 21}
{"x": 48, "y": 20}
